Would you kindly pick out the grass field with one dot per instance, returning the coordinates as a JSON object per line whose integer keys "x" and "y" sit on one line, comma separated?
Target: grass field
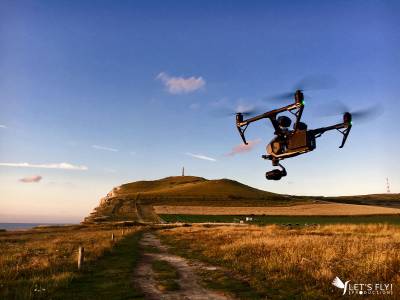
{"x": 258, "y": 261}
{"x": 42, "y": 263}
{"x": 110, "y": 277}
{"x": 296, "y": 263}
{"x": 293, "y": 220}
{"x": 314, "y": 209}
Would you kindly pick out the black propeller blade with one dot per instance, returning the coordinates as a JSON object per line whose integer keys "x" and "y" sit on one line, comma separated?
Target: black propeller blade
{"x": 367, "y": 114}
{"x": 308, "y": 83}
{"x": 283, "y": 96}
{"x": 361, "y": 115}
{"x": 316, "y": 82}
{"x": 231, "y": 110}
{"x": 250, "y": 112}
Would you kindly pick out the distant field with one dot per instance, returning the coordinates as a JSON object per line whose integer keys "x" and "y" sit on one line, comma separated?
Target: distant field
{"x": 301, "y": 220}
{"x": 387, "y": 200}
{"x": 317, "y": 209}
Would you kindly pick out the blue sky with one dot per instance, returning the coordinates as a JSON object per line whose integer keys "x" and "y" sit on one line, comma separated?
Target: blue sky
{"x": 126, "y": 90}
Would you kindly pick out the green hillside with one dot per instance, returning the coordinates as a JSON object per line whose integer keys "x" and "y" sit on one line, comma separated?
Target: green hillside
{"x": 191, "y": 186}
{"x": 134, "y": 201}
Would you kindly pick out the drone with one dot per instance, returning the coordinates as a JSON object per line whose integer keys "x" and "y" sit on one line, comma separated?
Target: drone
{"x": 288, "y": 142}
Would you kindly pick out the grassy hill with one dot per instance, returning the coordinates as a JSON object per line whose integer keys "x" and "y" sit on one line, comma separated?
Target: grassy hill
{"x": 135, "y": 201}
{"x": 183, "y": 186}
{"x": 191, "y": 190}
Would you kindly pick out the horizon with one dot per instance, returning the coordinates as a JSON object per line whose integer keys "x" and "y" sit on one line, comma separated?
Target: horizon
{"x": 98, "y": 94}
{"x": 38, "y": 219}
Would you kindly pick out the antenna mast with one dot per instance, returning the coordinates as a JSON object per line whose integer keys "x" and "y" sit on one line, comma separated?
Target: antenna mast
{"x": 183, "y": 171}
{"x": 387, "y": 186}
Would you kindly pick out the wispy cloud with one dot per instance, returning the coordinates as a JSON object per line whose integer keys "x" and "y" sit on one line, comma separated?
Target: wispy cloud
{"x": 31, "y": 179}
{"x": 63, "y": 166}
{"x": 194, "y": 106}
{"x": 242, "y": 148}
{"x": 3, "y": 126}
{"x": 181, "y": 85}
{"x": 200, "y": 156}
{"x": 98, "y": 147}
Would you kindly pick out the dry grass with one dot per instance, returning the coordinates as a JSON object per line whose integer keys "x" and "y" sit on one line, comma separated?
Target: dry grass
{"x": 319, "y": 209}
{"x": 37, "y": 262}
{"x": 285, "y": 262}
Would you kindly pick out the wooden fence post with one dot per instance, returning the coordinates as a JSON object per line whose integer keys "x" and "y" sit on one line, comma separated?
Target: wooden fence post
{"x": 81, "y": 254}
{"x": 112, "y": 237}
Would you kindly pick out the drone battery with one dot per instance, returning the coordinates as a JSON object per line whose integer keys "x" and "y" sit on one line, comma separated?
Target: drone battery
{"x": 301, "y": 140}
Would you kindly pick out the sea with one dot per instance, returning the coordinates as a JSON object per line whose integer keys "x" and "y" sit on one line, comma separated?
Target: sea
{"x": 25, "y": 226}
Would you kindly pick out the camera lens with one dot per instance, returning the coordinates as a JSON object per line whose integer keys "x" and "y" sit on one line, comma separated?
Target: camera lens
{"x": 274, "y": 174}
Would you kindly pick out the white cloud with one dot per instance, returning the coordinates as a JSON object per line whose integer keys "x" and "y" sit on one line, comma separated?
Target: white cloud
{"x": 244, "y": 148}
{"x": 104, "y": 148}
{"x": 181, "y": 85}
{"x": 63, "y": 166}
{"x": 3, "y": 126}
{"x": 31, "y": 179}
{"x": 200, "y": 156}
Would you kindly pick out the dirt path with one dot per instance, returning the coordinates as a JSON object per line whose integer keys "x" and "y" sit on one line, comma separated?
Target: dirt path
{"x": 188, "y": 281}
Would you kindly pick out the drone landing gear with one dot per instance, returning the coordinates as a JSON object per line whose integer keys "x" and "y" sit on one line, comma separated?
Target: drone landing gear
{"x": 276, "y": 174}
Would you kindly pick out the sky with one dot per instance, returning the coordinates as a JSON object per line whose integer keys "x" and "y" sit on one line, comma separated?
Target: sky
{"x": 94, "y": 94}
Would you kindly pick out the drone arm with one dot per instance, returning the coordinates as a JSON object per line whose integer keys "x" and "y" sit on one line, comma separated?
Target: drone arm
{"x": 242, "y": 125}
{"x": 267, "y": 115}
{"x": 241, "y": 132}
{"x": 346, "y": 130}
{"x": 298, "y": 115}
{"x": 345, "y": 135}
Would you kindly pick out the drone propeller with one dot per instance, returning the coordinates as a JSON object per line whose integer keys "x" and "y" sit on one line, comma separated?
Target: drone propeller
{"x": 308, "y": 83}
{"x": 281, "y": 97}
{"x": 244, "y": 110}
{"x": 316, "y": 82}
{"x": 249, "y": 112}
{"x": 361, "y": 115}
